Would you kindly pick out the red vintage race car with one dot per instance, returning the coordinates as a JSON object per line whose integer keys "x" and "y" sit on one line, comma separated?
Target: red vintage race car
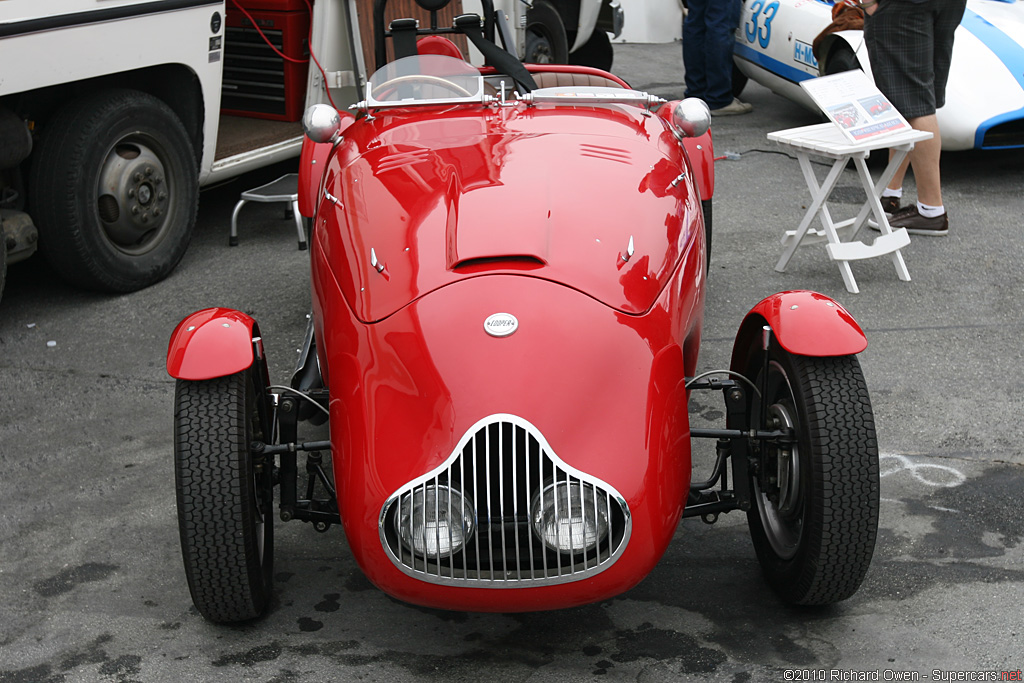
{"x": 508, "y": 269}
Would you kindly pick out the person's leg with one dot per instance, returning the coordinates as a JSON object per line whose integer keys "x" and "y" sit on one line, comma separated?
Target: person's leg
{"x": 897, "y": 179}
{"x": 900, "y": 40}
{"x": 924, "y": 159}
{"x": 694, "y": 49}
{"x": 721, "y": 20}
{"x": 928, "y": 216}
{"x": 948, "y": 15}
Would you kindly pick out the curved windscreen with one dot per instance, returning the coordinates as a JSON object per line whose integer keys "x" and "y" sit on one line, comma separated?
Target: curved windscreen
{"x": 424, "y": 79}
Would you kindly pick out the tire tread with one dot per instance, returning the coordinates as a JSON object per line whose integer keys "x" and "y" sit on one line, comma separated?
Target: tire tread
{"x": 216, "y": 526}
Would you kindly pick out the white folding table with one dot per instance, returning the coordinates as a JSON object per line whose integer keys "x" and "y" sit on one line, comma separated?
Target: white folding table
{"x": 827, "y": 140}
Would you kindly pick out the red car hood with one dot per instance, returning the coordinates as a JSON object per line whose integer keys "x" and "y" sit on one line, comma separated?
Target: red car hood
{"x": 418, "y": 199}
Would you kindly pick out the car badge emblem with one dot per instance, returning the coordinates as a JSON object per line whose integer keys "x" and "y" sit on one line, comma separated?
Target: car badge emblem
{"x": 501, "y": 324}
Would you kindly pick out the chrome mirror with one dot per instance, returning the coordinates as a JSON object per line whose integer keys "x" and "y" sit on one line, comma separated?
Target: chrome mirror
{"x": 322, "y": 123}
{"x": 691, "y": 118}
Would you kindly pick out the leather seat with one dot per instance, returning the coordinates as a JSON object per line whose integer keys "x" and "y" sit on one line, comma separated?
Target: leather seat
{"x": 556, "y": 79}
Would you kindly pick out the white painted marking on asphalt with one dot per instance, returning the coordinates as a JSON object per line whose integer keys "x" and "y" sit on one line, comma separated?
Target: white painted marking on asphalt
{"x": 929, "y": 474}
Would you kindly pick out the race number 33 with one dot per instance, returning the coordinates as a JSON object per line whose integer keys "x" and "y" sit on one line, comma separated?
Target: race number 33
{"x": 759, "y": 27}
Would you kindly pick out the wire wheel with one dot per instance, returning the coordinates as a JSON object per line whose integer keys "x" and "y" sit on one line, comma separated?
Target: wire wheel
{"x": 780, "y": 504}
{"x": 815, "y": 514}
{"x": 224, "y": 496}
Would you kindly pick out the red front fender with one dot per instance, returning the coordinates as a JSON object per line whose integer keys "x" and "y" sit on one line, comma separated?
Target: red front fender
{"x": 213, "y": 342}
{"x": 702, "y": 157}
{"x": 804, "y": 323}
{"x": 700, "y": 151}
{"x": 312, "y": 162}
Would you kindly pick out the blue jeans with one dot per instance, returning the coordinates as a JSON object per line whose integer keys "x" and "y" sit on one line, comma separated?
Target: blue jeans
{"x": 708, "y": 37}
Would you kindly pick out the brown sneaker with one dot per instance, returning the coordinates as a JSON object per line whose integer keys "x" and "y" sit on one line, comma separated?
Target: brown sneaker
{"x": 916, "y": 224}
{"x": 890, "y": 205}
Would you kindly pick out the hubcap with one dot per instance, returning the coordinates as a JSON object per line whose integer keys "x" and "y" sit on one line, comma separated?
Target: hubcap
{"x": 787, "y": 463}
{"x": 542, "y": 54}
{"x": 134, "y": 197}
{"x": 539, "y": 48}
{"x": 777, "y": 490}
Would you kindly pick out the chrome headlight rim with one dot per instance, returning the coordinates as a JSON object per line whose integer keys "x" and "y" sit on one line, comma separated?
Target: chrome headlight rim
{"x": 405, "y": 527}
{"x": 545, "y": 568}
{"x": 551, "y": 490}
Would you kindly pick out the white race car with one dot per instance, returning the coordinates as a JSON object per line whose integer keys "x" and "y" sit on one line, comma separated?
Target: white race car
{"x": 985, "y": 93}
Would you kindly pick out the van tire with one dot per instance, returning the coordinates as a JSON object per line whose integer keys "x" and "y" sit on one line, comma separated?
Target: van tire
{"x": 114, "y": 190}
{"x": 596, "y": 52}
{"x": 546, "y": 40}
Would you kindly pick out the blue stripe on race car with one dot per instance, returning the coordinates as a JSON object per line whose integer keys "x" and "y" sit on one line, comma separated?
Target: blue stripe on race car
{"x": 1002, "y": 46}
{"x": 1008, "y": 52}
{"x": 773, "y": 65}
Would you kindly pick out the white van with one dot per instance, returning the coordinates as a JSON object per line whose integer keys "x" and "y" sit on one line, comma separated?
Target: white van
{"x": 113, "y": 113}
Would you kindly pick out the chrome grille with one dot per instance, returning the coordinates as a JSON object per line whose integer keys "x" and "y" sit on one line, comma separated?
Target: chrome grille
{"x": 498, "y": 468}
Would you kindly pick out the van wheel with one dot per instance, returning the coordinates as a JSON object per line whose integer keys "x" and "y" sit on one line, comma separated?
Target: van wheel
{"x": 114, "y": 188}
{"x": 3, "y": 261}
{"x": 546, "y": 41}
{"x": 596, "y": 52}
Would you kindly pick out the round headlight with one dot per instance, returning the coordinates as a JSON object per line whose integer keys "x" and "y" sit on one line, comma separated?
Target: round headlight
{"x": 566, "y": 519}
{"x": 434, "y": 521}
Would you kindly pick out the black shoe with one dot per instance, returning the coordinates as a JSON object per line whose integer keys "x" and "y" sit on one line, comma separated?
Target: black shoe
{"x": 916, "y": 224}
{"x": 890, "y": 205}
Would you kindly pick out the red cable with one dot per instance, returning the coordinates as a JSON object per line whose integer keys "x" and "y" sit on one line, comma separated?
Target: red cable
{"x": 282, "y": 55}
{"x": 267, "y": 40}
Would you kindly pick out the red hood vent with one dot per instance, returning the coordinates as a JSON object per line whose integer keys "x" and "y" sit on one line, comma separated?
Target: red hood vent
{"x": 442, "y": 200}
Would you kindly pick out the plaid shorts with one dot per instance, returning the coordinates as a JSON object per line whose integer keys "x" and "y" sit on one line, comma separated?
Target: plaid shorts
{"x": 910, "y": 45}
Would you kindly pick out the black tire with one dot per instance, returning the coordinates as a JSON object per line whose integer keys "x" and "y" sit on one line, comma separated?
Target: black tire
{"x": 3, "y": 264}
{"x": 546, "y": 40}
{"x": 814, "y": 521}
{"x": 224, "y": 495}
{"x": 705, "y": 205}
{"x": 133, "y": 236}
{"x": 739, "y": 81}
{"x": 596, "y": 52}
{"x": 840, "y": 58}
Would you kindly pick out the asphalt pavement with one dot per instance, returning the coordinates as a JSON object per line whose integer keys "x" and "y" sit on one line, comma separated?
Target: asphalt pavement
{"x": 91, "y": 581}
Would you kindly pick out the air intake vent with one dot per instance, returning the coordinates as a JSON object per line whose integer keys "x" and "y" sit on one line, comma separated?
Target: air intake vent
{"x": 610, "y": 153}
{"x": 1008, "y": 134}
{"x": 504, "y": 511}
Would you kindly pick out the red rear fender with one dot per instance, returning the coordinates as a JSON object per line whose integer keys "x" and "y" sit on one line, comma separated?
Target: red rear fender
{"x": 213, "y": 342}
{"x": 804, "y": 323}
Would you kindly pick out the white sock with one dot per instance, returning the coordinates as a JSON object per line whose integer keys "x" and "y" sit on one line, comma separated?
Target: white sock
{"x": 892, "y": 193}
{"x": 930, "y": 211}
